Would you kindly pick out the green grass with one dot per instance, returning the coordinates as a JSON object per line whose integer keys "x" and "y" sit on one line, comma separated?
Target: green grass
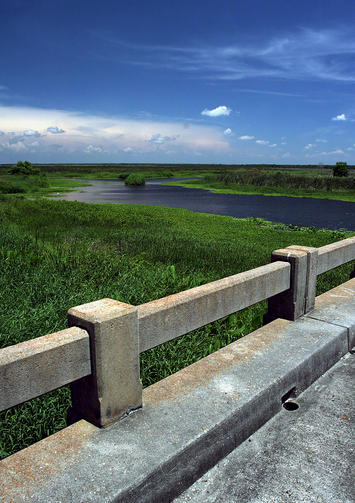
{"x": 57, "y": 254}
{"x": 135, "y": 180}
{"x": 272, "y": 180}
{"x": 234, "y": 188}
{"x": 36, "y": 186}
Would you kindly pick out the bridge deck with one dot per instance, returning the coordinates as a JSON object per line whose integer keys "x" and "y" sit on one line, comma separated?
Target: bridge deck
{"x": 190, "y": 420}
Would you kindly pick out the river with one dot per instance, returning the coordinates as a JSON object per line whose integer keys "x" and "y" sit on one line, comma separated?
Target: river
{"x": 305, "y": 212}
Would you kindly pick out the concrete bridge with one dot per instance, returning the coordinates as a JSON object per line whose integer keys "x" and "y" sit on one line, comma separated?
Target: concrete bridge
{"x": 117, "y": 450}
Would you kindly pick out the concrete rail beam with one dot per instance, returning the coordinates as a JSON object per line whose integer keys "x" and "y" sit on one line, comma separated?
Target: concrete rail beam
{"x": 335, "y": 254}
{"x": 170, "y": 317}
{"x": 35, "y": 367}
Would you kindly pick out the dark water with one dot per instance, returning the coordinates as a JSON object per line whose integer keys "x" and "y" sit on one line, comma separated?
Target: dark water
{"x": 319, "y": 213}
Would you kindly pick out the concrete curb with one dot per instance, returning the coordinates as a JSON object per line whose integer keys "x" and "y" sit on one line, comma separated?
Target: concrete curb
{"x": 189, "y": 420}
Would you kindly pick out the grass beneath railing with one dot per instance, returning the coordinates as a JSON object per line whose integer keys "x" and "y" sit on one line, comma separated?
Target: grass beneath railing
{"x": 56, "y": 254}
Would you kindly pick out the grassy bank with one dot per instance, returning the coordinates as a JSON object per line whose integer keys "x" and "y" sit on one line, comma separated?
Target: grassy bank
{"x": 295, "y": 181}
{"x": 277, "y": 183}
{"x": 57, "y": 254}
{"x": 36, "y": 186}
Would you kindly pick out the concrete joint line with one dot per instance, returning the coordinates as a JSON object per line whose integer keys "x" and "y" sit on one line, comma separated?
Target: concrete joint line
{"x": 335, "y": 324}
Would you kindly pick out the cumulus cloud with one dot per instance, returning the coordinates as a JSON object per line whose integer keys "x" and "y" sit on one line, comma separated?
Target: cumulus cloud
{"x": 216, "y": 112}
{"x": 246, "y": 137}
{"x": 55, "y": 130}
{"x": 273, "y": 145}
{"x": 227, "y": 131}
{"x": 31, "y": 132}
{"x": 92, "y": 148}
{"x": 127, "y": 149}
{"x": 262, "y": 142}
{"x": 340, "y": 117}
{"x": 159, "y": 139}
{"x": 321, "y": 140}
{"x": 111, "y": 134}
{"x": 309, "y": 146}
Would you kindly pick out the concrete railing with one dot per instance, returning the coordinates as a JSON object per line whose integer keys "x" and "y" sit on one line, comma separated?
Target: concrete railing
{"x": 99, "y": 353}
{"x": 335, "y": 254}
{"x": 170, "y": 317}
{"x": 35, "y": 367}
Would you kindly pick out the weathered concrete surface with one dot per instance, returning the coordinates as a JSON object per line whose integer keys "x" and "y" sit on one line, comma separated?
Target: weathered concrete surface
{"x": 188, "y": 423}
{"x": 32, "y": 368}
{"x": 113, "y": 388}
{"x": 290, "y": 304}
{"x": 164, "y": 319}
{"x": 311, "y": 280}
{"x": 337, "y": 306}
{"x": 335, "y": 254}
{"x": 302, "y": 456}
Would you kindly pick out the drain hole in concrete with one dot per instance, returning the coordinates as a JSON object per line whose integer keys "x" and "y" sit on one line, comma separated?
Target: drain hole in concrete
{"x": 290, "y": 405}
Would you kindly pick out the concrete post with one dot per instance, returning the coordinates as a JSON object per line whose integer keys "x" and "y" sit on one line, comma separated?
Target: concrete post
{"x": 113, "y": 388}
{"x": 290, "y": 304}
{"x": 311, "y": 281}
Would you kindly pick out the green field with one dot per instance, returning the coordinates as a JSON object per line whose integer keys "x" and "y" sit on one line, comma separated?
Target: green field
{"x": 58, "y": 254}
{"x": 271, "y": 182}
{"x": 284, "y": 180}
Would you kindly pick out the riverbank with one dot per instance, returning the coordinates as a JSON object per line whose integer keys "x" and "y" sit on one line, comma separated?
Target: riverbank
{"x": 292, "y": 181}
{"x": 57, "y": 254}
{"x": 222, "y": 188}
{"x": 20, "y": 186}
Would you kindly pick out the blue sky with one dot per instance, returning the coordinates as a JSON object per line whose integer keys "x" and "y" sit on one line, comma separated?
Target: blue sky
{"x": 202, "y": 81}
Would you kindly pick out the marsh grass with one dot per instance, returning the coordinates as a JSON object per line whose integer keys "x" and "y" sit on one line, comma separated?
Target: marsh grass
{"x": 284, "y": 179}
{"x": 57, "y": 254}
{"x": 135, "y": 179}
{"x": 276, "y": 183}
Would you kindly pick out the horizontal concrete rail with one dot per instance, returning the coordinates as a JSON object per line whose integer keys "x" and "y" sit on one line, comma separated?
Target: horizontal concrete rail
{"x": 170, "y": 317}
{"x": 32, "y": 368}
{"x": 335, "y": 254}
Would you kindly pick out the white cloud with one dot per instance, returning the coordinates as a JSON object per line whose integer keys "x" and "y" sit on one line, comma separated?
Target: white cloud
{"x": 340, "y": 117}
{"x": 227, "y": 131}
{"x": 333, "y": 152}
{"x": 321, "y": 140}
{"x": 273, "y": 145}
{"x": 283, "y": 143}
{"x": 302, "y": 54}
{"x": 55, "y": 130}
{"x": 309, "y": 146}
{"x": 92, "y": 148}
{"x": 159, "y": 139}
{"x": 286, "y": 154}
{"x": 127, "y": 149}
{"x": 216, "y": 112}
{"x": 31, "y": 132}
{"x": 246, "y": 137}
{"x": 111, "y": 134}
{"x": 262, "y": 142}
